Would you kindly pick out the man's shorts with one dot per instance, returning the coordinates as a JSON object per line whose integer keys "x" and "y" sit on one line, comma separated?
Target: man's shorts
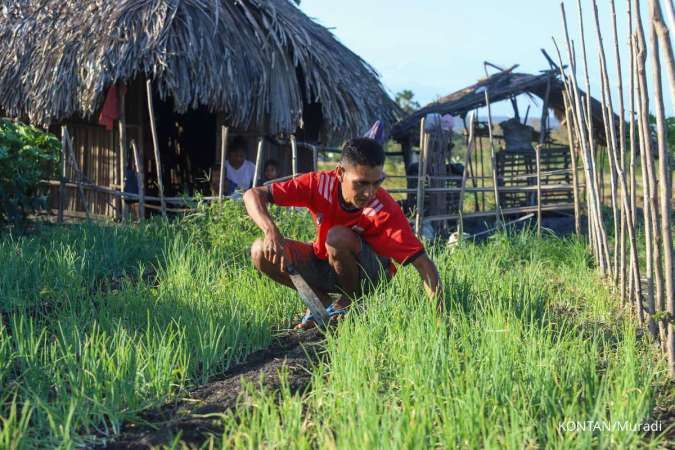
{"x": 373, "y": 268}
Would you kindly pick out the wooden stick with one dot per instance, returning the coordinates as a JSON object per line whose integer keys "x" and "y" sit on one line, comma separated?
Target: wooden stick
{"x": 62, "y": 185}
{"x": 224, "y": 134}
{"x": 315, "y": 158}
{"x": 649, "y": 182}
{"x": 493, "y": 159}
{"x": 294, "y": 156}
{"x": 604, "y": 261}
{"x": 258, "y": 162}
{"x": 505, "y": 211}
{"x": 421, "y": 179}
{"x": 573, "y": 159}
{"x": 667, "y": 303}
{"x": 610, "y": 142}
{"x": 140, "y": 180}
{"x": 625, "y": 216}
{"x": 594, "y": 218}
{"x": 467, "y": 158}
{"x": 622, "y": 162}
{"x": 122, "y": 126}
{"x": 665, "y": 40}
{"x": 537, "y": 150}
{"x": 634, "y": 284}
{"x": 155, "y": 144}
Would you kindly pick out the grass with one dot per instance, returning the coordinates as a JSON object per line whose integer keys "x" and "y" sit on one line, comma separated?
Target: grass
{"x": 100, "y": 322}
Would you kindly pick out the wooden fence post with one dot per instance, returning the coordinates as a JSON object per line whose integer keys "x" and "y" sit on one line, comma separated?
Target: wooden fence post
{"x": 140, "y": 180}
{"x": 155, "y": 144}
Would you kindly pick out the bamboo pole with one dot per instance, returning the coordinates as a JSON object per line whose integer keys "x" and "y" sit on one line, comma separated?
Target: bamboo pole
{"x": 224, "y": 134}
{"x": 537, "y": 153}
{"x": 138, "y": 162}
{"x": 421, "y": 179}
{"x": 493, "y": 159}
{"x": 665, "y": 41}
{"x": 649, "y": 183}
{"x": 315, "y": 158}
{"x": 573, "y": 159}
{"x": 467, "y": 158}
{"x": 595, "y": 218}
{"x": 635, "y": 281}
{"x": 612, "y": 148}
{"x": 62, "y": 185}
{"x": 604, "y": 261}
{"x": 155, "y": 143}
{"x": 668, "y": 303}
{"x": 610, "y": 140}
{"x": 258, "y": 162}
{"x": 122, "y": 127}
{"x": 294, "y": 155}
{"x": 625, "y": 206}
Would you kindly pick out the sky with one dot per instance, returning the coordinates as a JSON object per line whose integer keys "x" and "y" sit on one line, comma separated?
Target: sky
{"x": 435, "y": 47}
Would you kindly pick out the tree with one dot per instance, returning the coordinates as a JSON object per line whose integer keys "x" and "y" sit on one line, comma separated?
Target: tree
{"x": 404, "y": 99}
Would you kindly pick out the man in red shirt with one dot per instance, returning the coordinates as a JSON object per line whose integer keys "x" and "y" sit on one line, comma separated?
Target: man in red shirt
{"x": 361, "y": 230}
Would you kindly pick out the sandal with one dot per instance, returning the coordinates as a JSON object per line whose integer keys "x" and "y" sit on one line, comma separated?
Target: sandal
{"x": 308, "y": 320}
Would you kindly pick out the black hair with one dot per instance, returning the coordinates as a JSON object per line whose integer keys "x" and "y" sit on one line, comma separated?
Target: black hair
{"x": 363, "y": 152}
{"x": 238, "y": 143}
{"x": 271, "y": 162}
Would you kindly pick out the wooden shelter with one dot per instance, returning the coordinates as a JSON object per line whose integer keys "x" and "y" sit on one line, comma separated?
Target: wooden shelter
{"x": 261, "y": 68}
{"x": 515, "y": 163}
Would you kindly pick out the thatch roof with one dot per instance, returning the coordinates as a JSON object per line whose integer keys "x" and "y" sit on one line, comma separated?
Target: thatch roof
{"x": 255, "y": 60}
{"x": 500, "y": 86}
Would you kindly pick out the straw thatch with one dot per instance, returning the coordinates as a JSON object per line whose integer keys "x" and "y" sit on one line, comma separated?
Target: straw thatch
{"x": 501, "y": 86}
{"x": 257, "y": 61}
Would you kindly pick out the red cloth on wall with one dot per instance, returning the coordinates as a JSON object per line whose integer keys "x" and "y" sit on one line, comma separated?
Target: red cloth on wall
{"x": 111, "y": 111}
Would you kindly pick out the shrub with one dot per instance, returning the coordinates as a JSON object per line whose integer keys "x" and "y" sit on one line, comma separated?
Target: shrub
{"x": 27, "y": 155}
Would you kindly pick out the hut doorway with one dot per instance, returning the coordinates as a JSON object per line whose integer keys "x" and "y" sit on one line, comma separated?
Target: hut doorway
{"x": 187, "y": 145}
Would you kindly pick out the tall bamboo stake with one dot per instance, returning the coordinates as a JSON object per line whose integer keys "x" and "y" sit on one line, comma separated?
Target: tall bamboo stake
{"x": 610, "y": 139}
{"x": 587, "y": 156}
{"x": 649, "y": 182}
{"x": 573, "y": 159}
{"x": 155, "y": 144}
{"x": 665, "y": 41}
{"x": 604, "y": 261}
{"x": 542, "y": 137}
{"x": 610, "y": 125}
{"x": 224, "y": 135}
{"x": 622, "y": 160}
{"x": 140, "y": 179}
{"x": 664, "y": 185}
{"x": 634, "y": 283}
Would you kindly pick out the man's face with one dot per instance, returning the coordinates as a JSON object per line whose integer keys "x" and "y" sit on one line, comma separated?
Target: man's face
{"x": 359, "y": 183}
{"x": 236, "y": 157}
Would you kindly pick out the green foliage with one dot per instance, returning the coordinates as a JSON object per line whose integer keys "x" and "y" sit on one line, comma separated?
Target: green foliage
{"x": 100, "y": 322}
{"x": 27, "y": 155}
{"x": 405, "y": 99}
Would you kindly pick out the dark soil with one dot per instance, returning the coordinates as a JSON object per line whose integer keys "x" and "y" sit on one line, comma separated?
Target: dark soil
{"x": 296, "y": 351}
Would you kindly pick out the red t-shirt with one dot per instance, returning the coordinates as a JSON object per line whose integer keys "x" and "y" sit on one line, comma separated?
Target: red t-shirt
{"x": 381, "y": 224}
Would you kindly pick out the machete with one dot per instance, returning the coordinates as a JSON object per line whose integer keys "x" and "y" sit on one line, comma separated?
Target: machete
{"x": 308, "y": 296}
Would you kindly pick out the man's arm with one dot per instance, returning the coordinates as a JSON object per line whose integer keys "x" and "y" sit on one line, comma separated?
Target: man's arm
{"x": 256, "y": 201}
{"x": 427, "y": 270}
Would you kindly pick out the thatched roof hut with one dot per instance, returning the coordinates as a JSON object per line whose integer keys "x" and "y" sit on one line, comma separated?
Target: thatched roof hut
{"x": 259, "y": 67}
{"x": 501, "y": 86}
{"x": 258, "y": 61}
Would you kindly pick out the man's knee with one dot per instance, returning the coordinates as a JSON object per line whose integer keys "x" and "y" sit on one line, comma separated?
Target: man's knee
{"x": 257, "y": 255}
{"x": 340, "y": 238}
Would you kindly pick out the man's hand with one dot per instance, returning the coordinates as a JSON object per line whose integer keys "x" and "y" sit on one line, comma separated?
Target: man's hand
{"x": 427, "y": 270}
{"x": 273, "y": 247}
